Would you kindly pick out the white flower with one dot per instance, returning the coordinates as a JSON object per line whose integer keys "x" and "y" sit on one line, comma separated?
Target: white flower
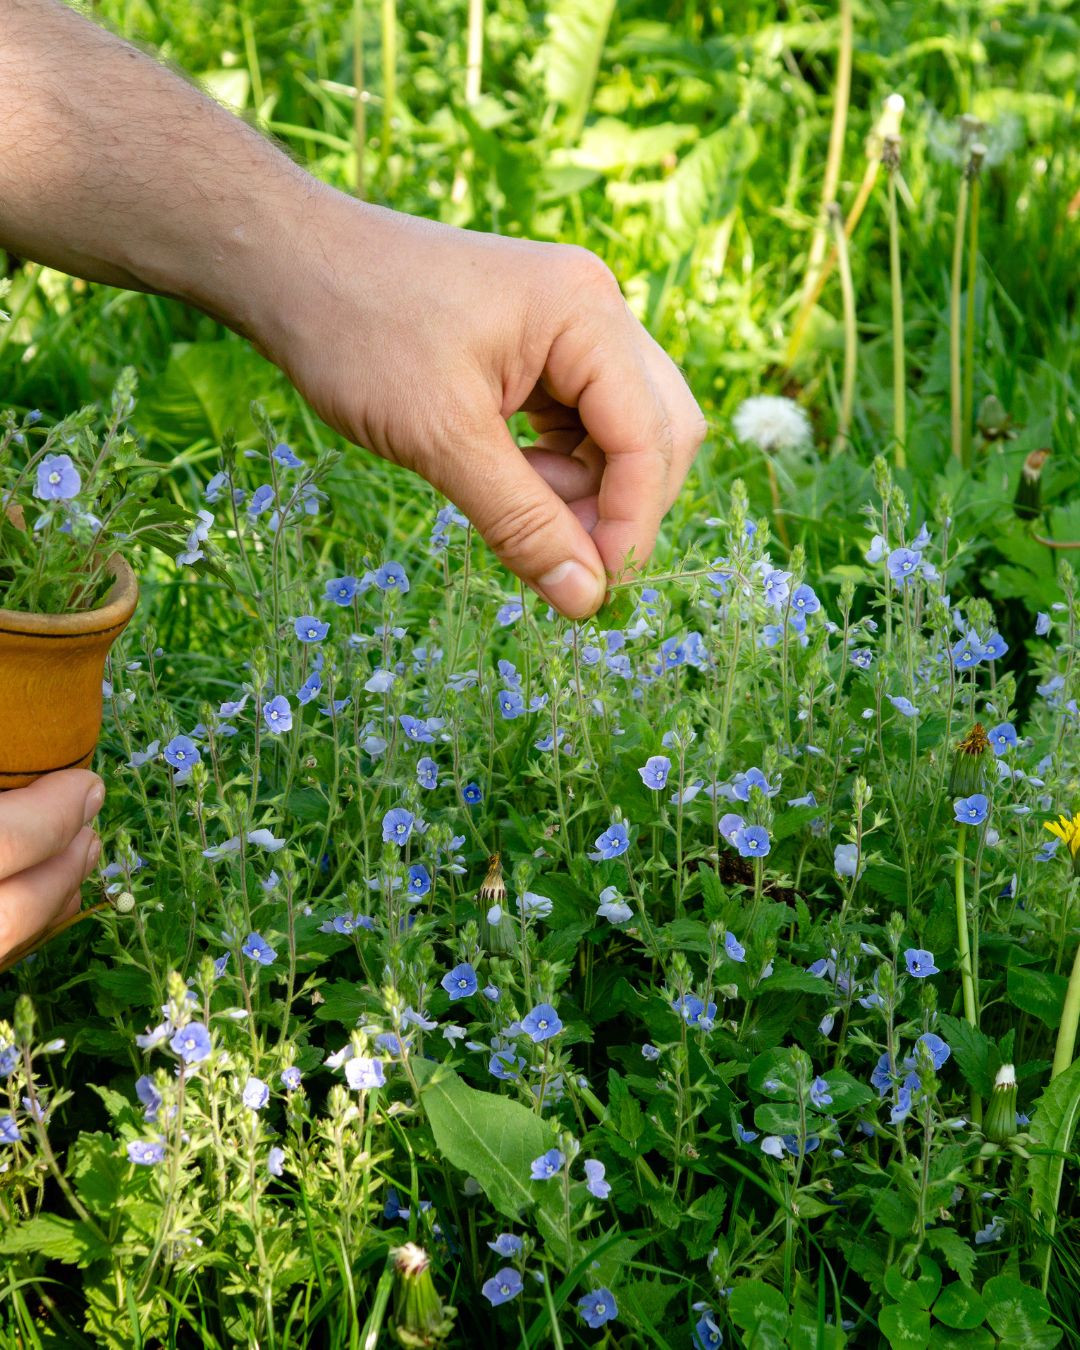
{"x": 772, "y": 423}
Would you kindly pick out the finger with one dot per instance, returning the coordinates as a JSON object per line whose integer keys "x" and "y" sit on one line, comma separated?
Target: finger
{"x": 684, "y": 414}
{"x": 574, "y": 473}
{"x": 40, "y": 821}
{"x": 40, "y": 896}
{"x": 522, "y": 518}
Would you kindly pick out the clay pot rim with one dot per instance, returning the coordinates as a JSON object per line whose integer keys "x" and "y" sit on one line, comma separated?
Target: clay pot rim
{"x": 107, "y": 618}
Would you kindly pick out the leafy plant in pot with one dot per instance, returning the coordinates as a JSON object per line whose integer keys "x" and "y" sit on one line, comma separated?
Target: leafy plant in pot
{"x": 76, "y": 499}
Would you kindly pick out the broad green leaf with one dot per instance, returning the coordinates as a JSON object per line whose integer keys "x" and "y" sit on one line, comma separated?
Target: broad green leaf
{"x": 960, "y": 1307}
{"x": 706, "y": 184}
{"x": 569, "y": 57}
{"x": 922, "y": 1289}
{"x": 53, "y": 1237}
{"x": 972, "y": 1052}
{"x": 905, "y": 1325}
{"x": 494, "y": 1140}
{"x": 777, "y": 1074}
{"x": 611, "y": 145}
{"x": 946, "y": 1338}
{"x": 1053, "y": 1124}
{"x": 1014, "y": 1310}
{"x": 1039, "y": 993}
{"x": 847, "y": 1092}
{"x": 761, "y": 1313}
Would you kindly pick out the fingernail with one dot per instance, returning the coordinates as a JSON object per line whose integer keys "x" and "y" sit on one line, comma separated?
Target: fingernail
{"x": 94, "y": 799}
{"x": 573, "y": 589}
{"x": 93, "y": 853}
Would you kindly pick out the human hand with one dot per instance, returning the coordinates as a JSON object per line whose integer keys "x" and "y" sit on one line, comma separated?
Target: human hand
{"x": 47, "y": 851}
{"x": 419, "y": 340}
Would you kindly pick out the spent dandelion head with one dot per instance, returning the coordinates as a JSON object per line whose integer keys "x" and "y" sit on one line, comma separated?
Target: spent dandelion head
{"x": 969, "y": 763}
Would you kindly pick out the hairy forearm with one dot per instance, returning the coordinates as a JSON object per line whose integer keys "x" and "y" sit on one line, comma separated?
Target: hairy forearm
{"x": 116, "y": 169}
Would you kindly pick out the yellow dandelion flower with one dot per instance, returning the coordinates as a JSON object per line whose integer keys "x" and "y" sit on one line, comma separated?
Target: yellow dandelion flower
{"x": 1068, "y": 831}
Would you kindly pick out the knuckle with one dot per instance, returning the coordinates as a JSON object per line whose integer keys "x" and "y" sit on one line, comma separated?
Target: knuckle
{"x": 591, "y": 273}
{"x": 520, "y": 526}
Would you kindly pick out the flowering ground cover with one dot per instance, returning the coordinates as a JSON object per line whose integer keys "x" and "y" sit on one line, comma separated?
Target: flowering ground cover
{"x": 704, "y": 974}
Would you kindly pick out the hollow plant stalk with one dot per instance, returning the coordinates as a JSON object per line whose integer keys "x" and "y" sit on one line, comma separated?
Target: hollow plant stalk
{"x": 851, "y": 347}
{"x": 963, "y": 943}
{"x": 955, "y": 386}
{"x": 899, "y": 355}
{"x": 1065, "y": 1047}
{"x": 360, "y": 104}
{"x": 389, "y": 65}
{"x": 969, "y": 317}
{"x": 474, "y": 66}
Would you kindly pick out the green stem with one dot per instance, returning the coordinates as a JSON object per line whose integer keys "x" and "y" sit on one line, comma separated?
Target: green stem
{"x": 1070, "y": 1013}
{"x": 969, "y": 322}
{"x": 360, "y": 104}
{"x": 851, "y": 341}
{"x": 955, "y": 388}
{"x": 898, "y": 352}
{"x": 389, "y": 55}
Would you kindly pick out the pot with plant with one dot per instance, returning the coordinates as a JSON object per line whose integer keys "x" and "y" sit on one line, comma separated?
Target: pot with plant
{"x": 76, "y": 499}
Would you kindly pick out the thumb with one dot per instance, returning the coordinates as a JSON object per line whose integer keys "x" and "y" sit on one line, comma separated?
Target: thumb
{"x": 528, "y": 526}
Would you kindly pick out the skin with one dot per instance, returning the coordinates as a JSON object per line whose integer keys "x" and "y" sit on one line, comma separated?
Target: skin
{"x": 411, "y": 338}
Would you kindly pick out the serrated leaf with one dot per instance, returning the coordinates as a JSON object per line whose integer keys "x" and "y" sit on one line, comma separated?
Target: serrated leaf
{"x": 957, "y": 1253}
{"x": 1053, "y": 1125}
{"x": 972, "y": 1052}
{"x": 53, "y": 1237}
{"x": 1038, "y": 992}
{"x": 569, "y": 57}
{"x": 705, "y": 185}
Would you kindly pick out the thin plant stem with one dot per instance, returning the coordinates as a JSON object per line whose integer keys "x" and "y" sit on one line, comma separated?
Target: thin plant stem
{"x": 955, "y": 387}
{"x": 360, "y": 104}
{"x": 899, "y": 355}
{"x": 389, "y": 65}
{"x": 1065, "y": 1045}
{"x": 969, "y": 320}
{"x": 851, "y": 339}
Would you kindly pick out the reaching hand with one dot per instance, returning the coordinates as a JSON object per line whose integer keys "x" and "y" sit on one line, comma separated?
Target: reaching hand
{"x": 47, "y": 851}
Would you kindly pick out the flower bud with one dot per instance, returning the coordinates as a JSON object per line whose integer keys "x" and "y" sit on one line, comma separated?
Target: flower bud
{"x": 1028, "y": 500}
{"x": 1000, "y": 1123}
{"x": 969, "y": 766}
{"x": 420, "y": 1317}
{"x": 124, "y": 902}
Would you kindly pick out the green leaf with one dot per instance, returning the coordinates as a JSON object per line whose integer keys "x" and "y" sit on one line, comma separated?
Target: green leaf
{"x": 922, "y": 1290}
{"x": 1014, "y": 1310}
{"x": 705, "y": 186}
{"x": 345, "y": 1002}
{"x": 906, "y": 1325}
{"x": 960, "y": 1307}
{"x": 957, "y": 1253}
{"x": 569, "y": 57}
{"x": 972, "y": 1052}
{"x": 1039, "y": 993}
{"x": 786, "y": 1069}
{"x": 1054, "y": 1121}
{"x": 945, "y": 1338}
{"x": 494, "y": 1140}
{"x": 54, "y": 1238}
{"x": 761, "y": 1313}
{"x": 847, "y": 1092}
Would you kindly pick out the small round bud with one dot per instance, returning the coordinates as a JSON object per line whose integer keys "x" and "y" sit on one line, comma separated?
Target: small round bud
{"x": 125, "y": 902}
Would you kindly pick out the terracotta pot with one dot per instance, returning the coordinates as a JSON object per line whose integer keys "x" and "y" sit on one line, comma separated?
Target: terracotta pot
{"x": 51, "y": 669}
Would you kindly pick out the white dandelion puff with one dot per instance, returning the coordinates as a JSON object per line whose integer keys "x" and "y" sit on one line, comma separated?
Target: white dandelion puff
{"x": 772, "y": 423}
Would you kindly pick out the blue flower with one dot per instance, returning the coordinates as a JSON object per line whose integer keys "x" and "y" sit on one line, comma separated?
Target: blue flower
{"x": 882, "y": 1077}
{"x": 694, "y": 1011}
{"x": 819, "y": 1094}
{"x": 391, "y": 577}
{"x": 509, "y": 613}
{"x": 734, "y": 948}
{"x": 541, "y": 1023}
{"x": 310, "y": 629}
{"x": 971, "y": 810}
{"x": 993, "y": 1230}
{"x": 743, "y": 783}
{"x": 612, "y": 843}
{"x": 461, "y": 982}
{"x": 419, "y": 880}
{"x": 397, "y": 826}
{"x": 776, "y": 588}
{"x": 920, "y": 963}
{"x": 655, "y": 772}
{"x": 145, "y": 1152}
{"x": 504, "y": 1285}
{"x": 752, "y": 841}
{"x": 290, "y": 1078}
{"x": 707, "y": 1335}
{"x": 511, "y": 703}
{"x": 256, "y": 1094}
{"x": 506, "y": 1245}
{"x": 182, "y": 752}
{"x": 471, "y": 794}
{"x": 967, "y": 652}
{"x": 9, "y": 1130}
{"x": 903, "y": 705}
{"x": 275, "y": 1161}
{"x": 311, "y": 688}
{"x": 58, "y": 479}
{"x": 805, "y": 600}
{"x": 846, "y": 859}
{"x": 277, "y": 714}
{"x": 862, "y": 657}
{"x": 341, "y": 590}
{"x": 904, "y": 565}
{"x": 548, "y": 1165}
{"x": 594, "y": 1179}
{"x": 901, "y": 1108}
{"x": 363, "y": 1074}
{"x": 729, "y": 826}
{"x": 427, "y": 773}
{"x": 1042, "y": 624}
{"x": 1002, "y": 738}
{"x": 417, "y": 729}
{"x": 192, "y": 1043}
{"x": 283, "y": 455}
{"x": 938, "y": 1049}
{"x": 258, "y": 949}
{"x": 598, "y": 1307}
{"x": 261, "y": 500}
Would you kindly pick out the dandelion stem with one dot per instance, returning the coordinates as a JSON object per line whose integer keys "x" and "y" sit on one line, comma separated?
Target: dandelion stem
{"x": 851, "y": 340}
{"x": 955, "y": 387}
{"x": 898, "y": 352}
{"x": 969, "y": 321}
{"x": 1065, "y": 1046}
{"x": 360, "y": 101}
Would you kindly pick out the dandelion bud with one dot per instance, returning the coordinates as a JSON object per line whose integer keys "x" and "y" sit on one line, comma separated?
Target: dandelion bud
{"x": 1028, "y": 500}
{"x": 1000, "y": 1124}
{"x": 420, "y": 1317}
{"x": 125, "y": 902}
{"x": 969, "y": 766}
